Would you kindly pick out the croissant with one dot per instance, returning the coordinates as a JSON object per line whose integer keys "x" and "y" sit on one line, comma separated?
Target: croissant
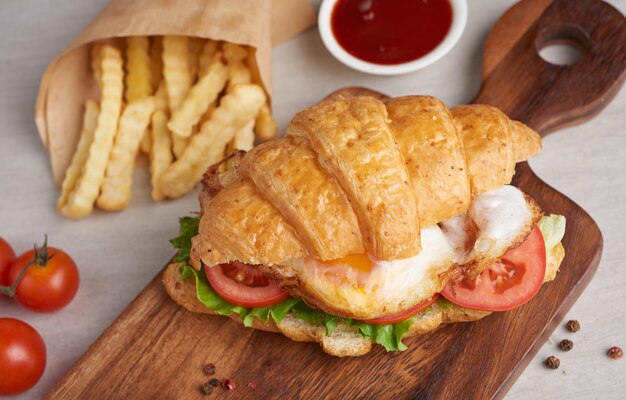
{"x": 358, "y": 175}
{"x": 366, "y": 210}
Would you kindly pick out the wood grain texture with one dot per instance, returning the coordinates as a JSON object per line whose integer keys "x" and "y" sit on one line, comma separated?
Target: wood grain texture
{"x": 546, "y": 96}
{"x": 156, "y": 349}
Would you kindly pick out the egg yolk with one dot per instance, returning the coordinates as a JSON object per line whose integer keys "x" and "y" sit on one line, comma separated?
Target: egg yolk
{"x": 360, "y": 262}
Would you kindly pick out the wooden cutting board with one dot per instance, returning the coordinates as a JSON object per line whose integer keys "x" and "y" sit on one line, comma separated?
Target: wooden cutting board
{"x": 156, "y": 350}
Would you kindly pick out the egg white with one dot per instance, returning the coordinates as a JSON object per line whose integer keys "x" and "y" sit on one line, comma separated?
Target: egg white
{"x": 389, "y": 287}
{"x": 492, "y": 224}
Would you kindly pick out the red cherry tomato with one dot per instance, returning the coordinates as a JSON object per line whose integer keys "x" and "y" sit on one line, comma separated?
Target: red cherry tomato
{"x": 401, "y": 316}
{"x": 505, "y": 284}
{"x": 45, "y": 288}
{"x": 22, "y": 356}
{"x": 7, "y": 256}
{"x": 244, "y": 285}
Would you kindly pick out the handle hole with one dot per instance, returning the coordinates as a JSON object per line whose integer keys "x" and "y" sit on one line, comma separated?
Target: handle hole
{"x": 563, "y": 44}
{"x": 561, "y": 54}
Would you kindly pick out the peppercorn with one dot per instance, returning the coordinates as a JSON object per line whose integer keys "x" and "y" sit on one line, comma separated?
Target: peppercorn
{"x": 566, "y": 345}
{"x": 228, "y": 384}
{"x": 209, "y": 369}
{"x": 553, "y": 362}
{"x": 615, "y": 353}
{"x": 206, "y": 388}
{"x": 573, "y": 325}
{"x": 214, "y": 382}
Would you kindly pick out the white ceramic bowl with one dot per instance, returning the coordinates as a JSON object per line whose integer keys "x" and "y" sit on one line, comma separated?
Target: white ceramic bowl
{"x": 459, "y": 19}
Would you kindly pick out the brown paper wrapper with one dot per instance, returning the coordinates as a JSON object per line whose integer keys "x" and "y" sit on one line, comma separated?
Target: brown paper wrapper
{"x": 68, "y": 80}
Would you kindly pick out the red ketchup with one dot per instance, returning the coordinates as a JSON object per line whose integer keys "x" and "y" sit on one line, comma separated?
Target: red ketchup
{"x": 390, "y": 31}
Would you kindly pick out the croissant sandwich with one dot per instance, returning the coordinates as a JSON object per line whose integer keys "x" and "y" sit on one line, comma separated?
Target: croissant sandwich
{"x": 370, "y": 221}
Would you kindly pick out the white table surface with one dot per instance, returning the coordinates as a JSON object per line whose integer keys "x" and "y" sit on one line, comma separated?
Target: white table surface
{"x": 119, "y": 253}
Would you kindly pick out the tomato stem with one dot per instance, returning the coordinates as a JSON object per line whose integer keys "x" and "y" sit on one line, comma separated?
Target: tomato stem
{"x": 41, "y": 258}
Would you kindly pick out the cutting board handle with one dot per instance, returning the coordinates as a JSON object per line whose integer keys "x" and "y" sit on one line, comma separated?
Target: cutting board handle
{"x": 545, "y": 96}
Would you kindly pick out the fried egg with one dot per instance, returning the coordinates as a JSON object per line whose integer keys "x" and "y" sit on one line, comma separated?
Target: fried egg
{"x": 494, "y": 222}
{"x": 362, "y": 286}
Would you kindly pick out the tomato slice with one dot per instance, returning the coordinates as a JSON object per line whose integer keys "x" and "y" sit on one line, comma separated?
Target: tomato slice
{"x": 244, "y": 285}
{"x": 506, "y": 284}
{"x": 401, "y": 316}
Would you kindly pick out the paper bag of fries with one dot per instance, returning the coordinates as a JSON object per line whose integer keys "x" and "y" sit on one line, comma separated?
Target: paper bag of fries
{"x": 185, "y": 82}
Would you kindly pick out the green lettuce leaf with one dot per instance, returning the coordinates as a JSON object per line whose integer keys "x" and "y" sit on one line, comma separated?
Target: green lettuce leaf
{"x": 188, "y": 229}
{"x": 552, "y": 228}
{"x": 390, "y": 336}
{"x": 308, "y": 314}
{"x": 208, "y": 297}
{"x": 444, "y": 303}
{"x": 276, "y": 312}
{"x": 331, "y": 322}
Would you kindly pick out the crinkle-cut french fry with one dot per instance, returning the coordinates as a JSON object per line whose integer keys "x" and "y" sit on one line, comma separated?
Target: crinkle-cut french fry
{"x": 201, "y": 95}
{"x": 208, "y": 52}
{"x": 80, "y": 201}
{"x": 161, "y": 152}
{"x": 138, "y": 76}
{"x": 265, "y": 125}
{"x": 156, "y": 60}
{"x": 115, "y": 193}
{"x": 96, "y": 63}
{"x": 238, "y": 74}
{"x": 252, "y": 65}
{"x": 234, "y": 52}
{"x": 160, "y": 103}
{"x": 179, "y": 144}
{"x": 146, "y": 142}
{"x": 195, "y": 51}
{"x": 160, "y": 98}
{"x": 207, "y": 147}
{"x": 244, "y": 138}
{"x": 138, "y": 68}
{"x": 73, "y": 172}
{"x": 176, "y": 69}
{"x": 209, "y": 111}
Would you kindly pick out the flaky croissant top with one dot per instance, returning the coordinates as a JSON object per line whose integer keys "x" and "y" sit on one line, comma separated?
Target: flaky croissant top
{"x": 355, "y": 175}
